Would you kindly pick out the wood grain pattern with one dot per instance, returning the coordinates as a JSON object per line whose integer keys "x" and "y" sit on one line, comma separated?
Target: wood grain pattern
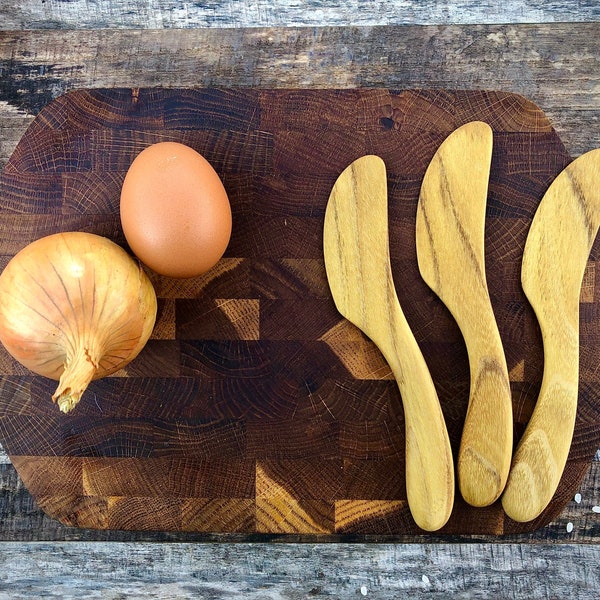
{"x": 140, "y": 14}
{"x": 555, "y": 257}
{"x": 546, "y": 62}
{"x": 450, "y": 231}
{"x": 288, "y": 571}
{"x": 359, "y": 274}
{"x": 284, "y": 403}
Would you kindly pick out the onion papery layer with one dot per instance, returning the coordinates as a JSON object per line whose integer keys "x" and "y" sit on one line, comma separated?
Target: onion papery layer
{"x": 75, "y": 306}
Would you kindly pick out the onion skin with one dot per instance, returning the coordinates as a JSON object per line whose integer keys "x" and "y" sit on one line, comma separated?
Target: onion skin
{"x": 75, "y": 307}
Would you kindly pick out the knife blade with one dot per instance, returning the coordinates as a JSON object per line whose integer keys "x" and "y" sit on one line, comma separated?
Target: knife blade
{"x": 357, "y": 262}
{"x": 450, "y": 226}
{"x": 556, "y": 253}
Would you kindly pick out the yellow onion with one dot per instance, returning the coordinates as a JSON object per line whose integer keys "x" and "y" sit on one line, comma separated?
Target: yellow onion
{"x": 75, "y": 307}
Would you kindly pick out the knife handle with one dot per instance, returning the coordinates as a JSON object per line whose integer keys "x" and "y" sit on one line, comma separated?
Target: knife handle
{"x": 429, "y": 461}
{"x": 487, "y": 440}
{"x": 543, "y": 450}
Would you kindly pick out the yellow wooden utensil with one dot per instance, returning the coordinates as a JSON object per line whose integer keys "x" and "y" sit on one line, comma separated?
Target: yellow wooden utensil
{"x": 357, "y": 262}
{"x": 450, "y": 250}
{"x": 554, "y": 261}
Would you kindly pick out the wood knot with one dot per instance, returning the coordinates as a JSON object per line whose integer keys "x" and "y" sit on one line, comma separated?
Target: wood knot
{"x": 391, "y": 117}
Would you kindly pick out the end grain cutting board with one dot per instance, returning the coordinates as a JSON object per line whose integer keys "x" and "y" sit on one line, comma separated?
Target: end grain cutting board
{"x": 256, "y": 407}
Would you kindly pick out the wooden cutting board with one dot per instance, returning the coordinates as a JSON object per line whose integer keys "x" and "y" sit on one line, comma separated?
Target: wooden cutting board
{"x": 256, "y": 407}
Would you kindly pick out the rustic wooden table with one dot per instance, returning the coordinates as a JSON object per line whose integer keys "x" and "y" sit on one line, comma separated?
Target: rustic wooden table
{"x": 550, "y": 55}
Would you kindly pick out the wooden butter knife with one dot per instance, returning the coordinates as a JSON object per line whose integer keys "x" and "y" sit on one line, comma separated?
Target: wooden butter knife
{"x": 357, "y": 262}
{"x": 554, "y": 260}
{"x": 450, "y": 228}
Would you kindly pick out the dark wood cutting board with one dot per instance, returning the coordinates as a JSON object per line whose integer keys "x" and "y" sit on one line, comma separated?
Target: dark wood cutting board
{"x": 256, "y": 407}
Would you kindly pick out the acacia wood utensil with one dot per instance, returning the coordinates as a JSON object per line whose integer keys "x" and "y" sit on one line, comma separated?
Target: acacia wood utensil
{"x": 358, "y": 269}
{"x": 450, "y": 227}
{"x": 554, "y": 260}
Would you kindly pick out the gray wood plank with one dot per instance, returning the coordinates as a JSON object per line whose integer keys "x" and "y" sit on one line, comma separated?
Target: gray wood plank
{"x": 284, "y": 571}
{"x": 33, "y": 14}
{"x": 555, "y": 65}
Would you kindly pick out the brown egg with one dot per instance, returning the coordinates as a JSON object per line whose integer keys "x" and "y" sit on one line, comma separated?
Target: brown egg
{"x": 175, "y": 212}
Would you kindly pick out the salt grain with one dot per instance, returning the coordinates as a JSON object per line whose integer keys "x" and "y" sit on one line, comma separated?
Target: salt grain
{"x": 596, "y": 509}
{"x": 363, "y": 590}
{"x": 578, "y": 498}
{"x": 425, "y": 579}
{"x": 569, "y": 527}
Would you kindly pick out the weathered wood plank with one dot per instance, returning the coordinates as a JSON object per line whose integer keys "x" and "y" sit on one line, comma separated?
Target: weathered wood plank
{"x": 289, "y": 572}
{"x": 33, "y": 14}
{"x": 541, "y": 59}
{"x": 555, "y": 65}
